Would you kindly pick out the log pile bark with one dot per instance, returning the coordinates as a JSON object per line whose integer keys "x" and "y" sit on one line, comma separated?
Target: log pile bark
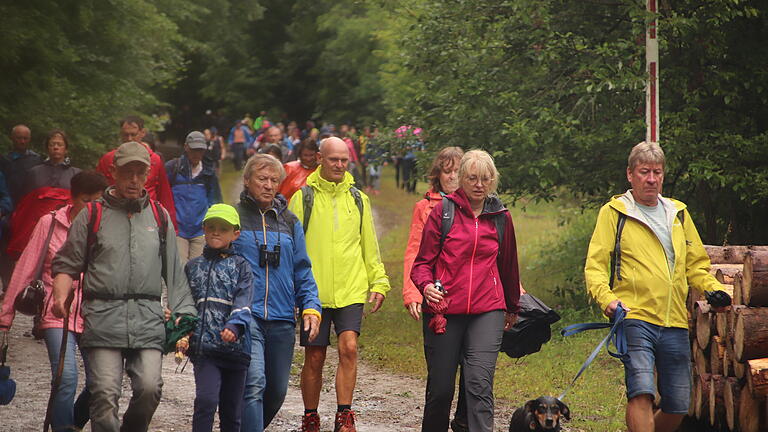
{"x": 729, "y": 349}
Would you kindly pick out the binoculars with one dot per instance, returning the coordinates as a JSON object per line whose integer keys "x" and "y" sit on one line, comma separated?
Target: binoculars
{"x": 269, "y": 257}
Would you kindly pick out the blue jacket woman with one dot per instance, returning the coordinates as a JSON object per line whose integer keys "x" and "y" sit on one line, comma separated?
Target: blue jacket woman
{"x": 272, "y": 240}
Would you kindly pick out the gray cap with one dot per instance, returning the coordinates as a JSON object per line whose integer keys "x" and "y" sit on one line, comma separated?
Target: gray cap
{"x": 196, "y": 141}
{"x": 130, "y": 152}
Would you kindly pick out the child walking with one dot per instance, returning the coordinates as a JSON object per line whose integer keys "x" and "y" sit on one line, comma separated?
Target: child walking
{"x": 220, "y": 347}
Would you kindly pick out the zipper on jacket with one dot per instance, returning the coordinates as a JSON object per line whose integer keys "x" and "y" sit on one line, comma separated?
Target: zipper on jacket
{"x": 472, "y": 269}
{"x": 670, "y": 276}
{"x": 266, "y": 264}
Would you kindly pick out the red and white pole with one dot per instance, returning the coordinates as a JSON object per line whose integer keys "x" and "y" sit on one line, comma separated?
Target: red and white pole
{"x": 652, "y": 73}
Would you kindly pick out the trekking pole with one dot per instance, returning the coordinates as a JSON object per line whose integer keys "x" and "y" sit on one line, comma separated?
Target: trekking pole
{"x": 60, "y": 367}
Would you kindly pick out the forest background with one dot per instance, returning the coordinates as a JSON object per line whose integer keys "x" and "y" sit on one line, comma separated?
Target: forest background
{"x": 554, "y": 89}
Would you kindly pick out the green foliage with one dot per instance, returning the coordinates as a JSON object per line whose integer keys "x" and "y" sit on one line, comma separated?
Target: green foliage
{"x": 555, "y": 91}
{"x": 82, "y": 65}
{"x": 557, "y": 267}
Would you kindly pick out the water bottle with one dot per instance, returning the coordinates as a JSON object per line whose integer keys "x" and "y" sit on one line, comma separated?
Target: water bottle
{"x": 439, "y": 286}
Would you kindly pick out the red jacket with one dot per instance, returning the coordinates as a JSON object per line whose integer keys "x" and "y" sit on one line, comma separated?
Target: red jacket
{"x": 28, "y": 212}
{"x": 157, "y": 184}
{"x": 467, "y": 264}
{"x": 421, "y": 211}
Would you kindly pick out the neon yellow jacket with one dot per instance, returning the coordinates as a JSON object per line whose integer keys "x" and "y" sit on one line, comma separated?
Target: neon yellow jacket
{"x": 647, "y": 288}
{"x": 345, "y": 259}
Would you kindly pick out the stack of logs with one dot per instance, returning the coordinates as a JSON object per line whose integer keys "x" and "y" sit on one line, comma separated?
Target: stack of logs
{"x": 730, "y": 349}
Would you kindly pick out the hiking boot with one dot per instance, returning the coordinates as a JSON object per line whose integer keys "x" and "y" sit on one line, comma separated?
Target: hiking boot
{"x": 345, "y": 421}
{"x": 459, "y": 425}
{"x": 310, "y": 422}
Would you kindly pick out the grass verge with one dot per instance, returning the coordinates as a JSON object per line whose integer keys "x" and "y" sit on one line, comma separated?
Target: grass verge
{"x": 392, "y": 340}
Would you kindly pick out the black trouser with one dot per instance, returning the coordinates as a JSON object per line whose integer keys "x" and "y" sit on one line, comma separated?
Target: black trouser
{"x": 409, "y": 174}
{"x": 238, "y": 155}
{"x": 474, "y": 341}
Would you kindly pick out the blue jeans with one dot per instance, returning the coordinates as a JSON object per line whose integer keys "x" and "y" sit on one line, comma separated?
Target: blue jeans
{"x": 668, "y": 349}
{"x": 66, "y": 412}
{"x": 267, "y": 380}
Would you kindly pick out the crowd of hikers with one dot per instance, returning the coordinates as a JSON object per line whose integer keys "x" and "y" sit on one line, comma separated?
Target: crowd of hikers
{"x": 140, "y": 257}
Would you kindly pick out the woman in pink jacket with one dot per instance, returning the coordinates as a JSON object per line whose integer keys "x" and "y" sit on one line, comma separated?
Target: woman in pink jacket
{"x": 476, "y": 262}
{"x": 85, "y": 186}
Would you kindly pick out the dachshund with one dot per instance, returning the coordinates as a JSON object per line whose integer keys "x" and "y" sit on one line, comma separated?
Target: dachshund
{"x": 542, "y": 414}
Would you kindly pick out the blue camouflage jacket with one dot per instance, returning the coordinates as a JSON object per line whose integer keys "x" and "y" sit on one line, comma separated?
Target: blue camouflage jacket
{"x": 277, "y": 290}
{"x": 222, "y": 287}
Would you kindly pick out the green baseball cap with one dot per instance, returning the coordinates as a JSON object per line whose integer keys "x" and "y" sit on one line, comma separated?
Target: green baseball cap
{"x": 225, "y": 212}
{"x": 131, "y": 152}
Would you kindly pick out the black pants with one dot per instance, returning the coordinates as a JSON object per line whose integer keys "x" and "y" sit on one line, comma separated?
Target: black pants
{"x": 218, "y": 383}
{"x": 474, "y": 341}
{"x": 409, "y": 174}
{"x": 238, "y": 155}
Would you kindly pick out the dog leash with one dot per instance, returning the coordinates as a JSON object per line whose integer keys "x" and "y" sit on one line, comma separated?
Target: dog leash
{"x": 615, "y": 336}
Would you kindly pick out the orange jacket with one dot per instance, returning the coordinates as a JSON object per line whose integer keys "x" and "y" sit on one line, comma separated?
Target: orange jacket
{"x": 295, "y": 178}
{"x": 420, "y": 213}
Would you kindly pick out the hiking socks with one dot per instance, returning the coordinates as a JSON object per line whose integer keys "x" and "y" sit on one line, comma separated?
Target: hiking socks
{"x": 310, "y": 411}
{"x": 342, "y": 408}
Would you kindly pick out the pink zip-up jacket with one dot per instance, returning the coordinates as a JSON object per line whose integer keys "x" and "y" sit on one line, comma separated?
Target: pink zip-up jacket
{"x": 24, "y": 271}
{"x": 467, "y": 264}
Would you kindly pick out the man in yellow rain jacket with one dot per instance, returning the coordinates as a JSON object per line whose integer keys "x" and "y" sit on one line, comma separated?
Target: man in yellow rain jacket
{"x": 344, "y": 250}
{"x": 659, "y": 255}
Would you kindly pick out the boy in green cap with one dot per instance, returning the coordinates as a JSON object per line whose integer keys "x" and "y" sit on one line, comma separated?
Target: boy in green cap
{"x": 220, "y": 347}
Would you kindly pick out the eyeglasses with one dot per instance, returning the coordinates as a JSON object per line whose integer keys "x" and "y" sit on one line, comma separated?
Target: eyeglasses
{"x": 485, "y": 181}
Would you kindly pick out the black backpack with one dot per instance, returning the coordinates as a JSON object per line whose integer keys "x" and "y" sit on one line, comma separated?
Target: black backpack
{"x": 308, "y": 200}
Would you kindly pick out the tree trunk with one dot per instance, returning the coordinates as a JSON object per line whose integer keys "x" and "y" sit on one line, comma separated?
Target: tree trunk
{"x": 702, "y": 395}
{"x": 700, "y": 359}
{"x": 738, "y": 291}
{"x": 737, "y": 369}
{"x": 716, "y": 404}
{"x": 730, "y": 254}
{"x": 725, "y": 272}
{"x": 750, "y": 336}
{"x": 750, "y": 412}
{"x": 716, "y": 353}
{"x": 703, "y": 323}
{"x": 754, "y": 287}
{"x": 721, "y": 323}
{"x": 731, "y": 394}
{"x": 757, "y": 377}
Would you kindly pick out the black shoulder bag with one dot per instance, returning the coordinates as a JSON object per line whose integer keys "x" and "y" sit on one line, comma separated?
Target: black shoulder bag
{"x": 30, "y": 300}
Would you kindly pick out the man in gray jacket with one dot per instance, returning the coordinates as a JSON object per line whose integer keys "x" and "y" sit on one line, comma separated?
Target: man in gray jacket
{"x": 123, "y": 318}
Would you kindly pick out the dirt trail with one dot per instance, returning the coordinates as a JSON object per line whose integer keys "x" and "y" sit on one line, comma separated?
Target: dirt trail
{"x": 383, "y": 401}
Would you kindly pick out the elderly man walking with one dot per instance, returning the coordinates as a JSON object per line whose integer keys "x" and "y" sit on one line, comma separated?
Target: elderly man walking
{"x": 342, "y": 244}
{"x": 19, "y": 161}
{"x": 644, "y": 254}
{"x": 124, "y": 244}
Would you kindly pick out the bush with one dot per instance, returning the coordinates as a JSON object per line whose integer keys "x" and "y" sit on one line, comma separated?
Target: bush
{"x": 558, "y": 264}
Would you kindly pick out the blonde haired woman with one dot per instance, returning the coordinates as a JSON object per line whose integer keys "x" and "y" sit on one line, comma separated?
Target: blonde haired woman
{"x": 476, "y": 262}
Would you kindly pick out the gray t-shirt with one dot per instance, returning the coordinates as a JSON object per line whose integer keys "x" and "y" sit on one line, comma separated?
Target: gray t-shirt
{"x": 656, "y": 218}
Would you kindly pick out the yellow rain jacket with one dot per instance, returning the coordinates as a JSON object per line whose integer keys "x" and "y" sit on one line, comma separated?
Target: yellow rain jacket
{"x": 345, "y": 259}
{"x": 648, "y": 288}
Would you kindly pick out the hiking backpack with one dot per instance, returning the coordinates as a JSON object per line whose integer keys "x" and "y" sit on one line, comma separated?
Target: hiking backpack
{"x": 449, "y": 212}
{"x": 308, "y": 200}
